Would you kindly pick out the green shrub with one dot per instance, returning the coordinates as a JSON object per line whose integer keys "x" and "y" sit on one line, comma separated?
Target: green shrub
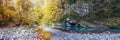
{"x": 113, "y": 23}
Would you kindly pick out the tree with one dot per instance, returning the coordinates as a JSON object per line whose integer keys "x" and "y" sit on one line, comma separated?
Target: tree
{"x": 24, "y": 11}
{"x": 7, "y": 12}
{"x": 52, "y": 12}
{"x": 1, "y": 11}
{"x": 38, "y": 11}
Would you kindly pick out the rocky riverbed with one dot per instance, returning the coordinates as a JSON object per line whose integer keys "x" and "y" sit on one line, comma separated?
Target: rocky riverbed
{"x": 23, "y": 33}
{"x": 17, "y": 33}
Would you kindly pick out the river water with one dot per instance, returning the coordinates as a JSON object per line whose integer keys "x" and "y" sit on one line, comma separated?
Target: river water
{"x": 88, "y": 29}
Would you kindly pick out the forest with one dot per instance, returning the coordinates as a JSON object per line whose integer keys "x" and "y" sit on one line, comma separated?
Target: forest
{"x": 64, "y": 15}
{"x": 26, "y": 12}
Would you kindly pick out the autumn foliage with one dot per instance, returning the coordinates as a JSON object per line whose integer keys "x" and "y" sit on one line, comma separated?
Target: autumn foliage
{"x": 45, "y": 36}
{"x": 27, "y": 12}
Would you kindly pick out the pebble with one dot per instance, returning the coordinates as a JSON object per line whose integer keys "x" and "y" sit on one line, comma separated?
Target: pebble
{"x": 16, "y": 34}
{"x": 28, "y": 34}
{"x": 94, "y": 36}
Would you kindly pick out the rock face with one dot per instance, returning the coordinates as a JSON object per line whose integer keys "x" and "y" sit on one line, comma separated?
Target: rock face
{"x": 75, "y": 11}
{"x": 69, "y": 22}
{"x": 78, "y": 7}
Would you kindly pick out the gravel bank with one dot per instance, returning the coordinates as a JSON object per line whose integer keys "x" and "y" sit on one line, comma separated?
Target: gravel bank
{"x": 59, "y": 35}
{"x": 18, "y": 33}
{"x": 23, "y": 33}
{"x": 68, "y": 36}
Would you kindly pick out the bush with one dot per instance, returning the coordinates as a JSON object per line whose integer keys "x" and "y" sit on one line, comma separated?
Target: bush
{"x": 52, "y": 13}
{"x": 26, "y": 12}
{"x": 113, "y": 23}
{"x": 7, "y": 13}
{"x": 20, "y": 13}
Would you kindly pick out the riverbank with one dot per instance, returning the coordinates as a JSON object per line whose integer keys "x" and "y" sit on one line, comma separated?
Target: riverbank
{"x": 23, "y": 33}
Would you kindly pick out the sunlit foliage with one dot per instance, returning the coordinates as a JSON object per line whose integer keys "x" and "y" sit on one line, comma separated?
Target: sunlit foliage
{"x": 52, "y": 12}
{"x": 24, "y": 11}
{"x": 7, "y": 12}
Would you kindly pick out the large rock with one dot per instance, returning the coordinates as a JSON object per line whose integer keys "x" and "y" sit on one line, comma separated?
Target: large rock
{"x": 79, "y": 7}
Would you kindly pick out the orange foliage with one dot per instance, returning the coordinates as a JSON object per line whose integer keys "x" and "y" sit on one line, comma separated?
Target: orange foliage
{"x": 46, "y": 35}
{"x": 7, "y": 12}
